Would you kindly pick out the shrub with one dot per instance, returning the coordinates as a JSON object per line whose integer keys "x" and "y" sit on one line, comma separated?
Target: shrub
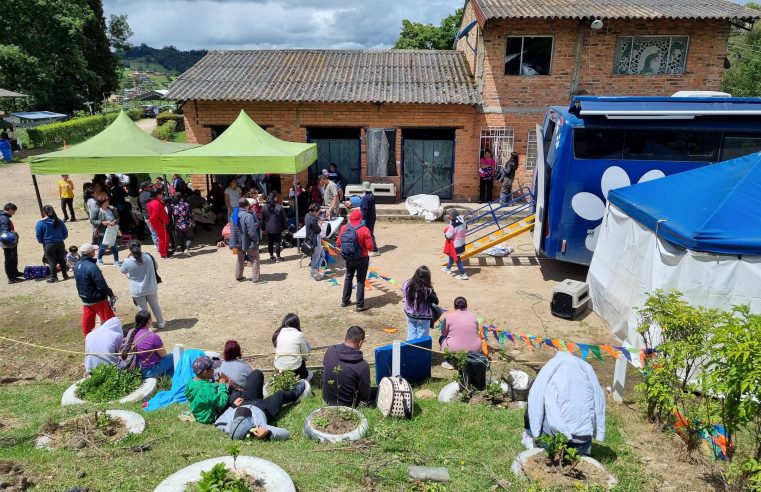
{"x": 72, "y": 131}
{"x": 283, "y": 381}
{"x": 168, "y": 116}
{"x": 135, "y": 114}
{"x": 218, "y": 480}
{"x": 107, "y": 383}
{"x": 166, "y": 131}
{"x": 559, "y": 453}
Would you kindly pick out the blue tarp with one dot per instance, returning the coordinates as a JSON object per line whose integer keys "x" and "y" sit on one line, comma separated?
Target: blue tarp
{"x": 183, "y": 373}
{"x": 716, "y": 208}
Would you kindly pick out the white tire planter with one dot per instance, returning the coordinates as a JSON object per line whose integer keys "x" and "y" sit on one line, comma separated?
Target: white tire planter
{"x": 354, "y": 435}
{"x": 134, "y": 423}
{"x": 275, "y": 478}
{"x": 522, "y": 459}
{"x": 143, "y": 393}
{"x": 306, "y": 394}
{"x": 450, "y": 392}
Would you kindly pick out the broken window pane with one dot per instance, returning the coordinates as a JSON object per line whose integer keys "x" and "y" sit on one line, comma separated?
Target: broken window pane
{"x": 528, "y": 55}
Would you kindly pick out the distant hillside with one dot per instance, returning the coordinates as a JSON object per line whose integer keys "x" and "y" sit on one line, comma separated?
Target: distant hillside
{"x": 167, "y": 59}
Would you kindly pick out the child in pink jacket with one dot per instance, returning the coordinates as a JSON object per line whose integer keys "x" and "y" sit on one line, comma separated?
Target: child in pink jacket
{"x": 455, "y": 233}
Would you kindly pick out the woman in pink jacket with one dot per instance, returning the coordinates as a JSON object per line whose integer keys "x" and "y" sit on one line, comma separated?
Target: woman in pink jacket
{"x": 460, "y": 329}
{"x": 454, "y": 236}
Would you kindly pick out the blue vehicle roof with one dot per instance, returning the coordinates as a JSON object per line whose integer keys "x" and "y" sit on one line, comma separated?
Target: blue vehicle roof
{"x": 712, "y": 208}
{"x": 682, "y": 107}
{"x": 38, "y": 115}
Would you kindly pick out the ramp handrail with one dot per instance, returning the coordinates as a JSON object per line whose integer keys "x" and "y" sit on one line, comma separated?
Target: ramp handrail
{"x": 492, "y": 210}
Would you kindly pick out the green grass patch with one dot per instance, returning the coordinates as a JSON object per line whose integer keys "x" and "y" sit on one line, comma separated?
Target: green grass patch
{"x": 180, "y": 137}
{"x": 107, "y": 383}
{"x": 464, "y": 438}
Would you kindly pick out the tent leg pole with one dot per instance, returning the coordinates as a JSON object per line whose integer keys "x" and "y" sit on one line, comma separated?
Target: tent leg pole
{"x": 37, "y": 192}
{"x": 296, "y": 201}
{"x": 619, "y": 380}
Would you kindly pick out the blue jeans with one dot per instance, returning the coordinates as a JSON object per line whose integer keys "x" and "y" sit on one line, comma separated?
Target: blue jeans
{"x": 154, "y": 236}
{"x": 164, "y": 366}
{"x": 459, "y": 264}
{"x": 417, "y": 328}
{"x": 114, "y": 249}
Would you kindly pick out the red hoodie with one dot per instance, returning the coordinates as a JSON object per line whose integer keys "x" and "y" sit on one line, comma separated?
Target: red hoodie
{"x": 364, "y": 238}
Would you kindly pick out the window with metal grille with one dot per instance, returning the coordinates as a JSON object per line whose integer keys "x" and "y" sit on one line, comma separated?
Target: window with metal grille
{"x": 499, "y": 141}
{"x": 651, "y": 55}
{"x": 531, "y": 151}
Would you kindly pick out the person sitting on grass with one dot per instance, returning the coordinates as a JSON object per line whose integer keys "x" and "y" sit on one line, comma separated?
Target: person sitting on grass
{"x": 153, "y": 358}
{"x": 208, "y": 399}
{"x": 232, "y": 365}
{"x": 291, "y": 347}
{"x": 102, "y": 344}
{"x": 346, "y": 375}
{"x": 566, "y": 398}
{"x": 459, "y": 331}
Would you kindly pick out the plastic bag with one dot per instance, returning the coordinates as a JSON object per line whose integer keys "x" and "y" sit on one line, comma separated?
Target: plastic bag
{"x": 109, "y": 237}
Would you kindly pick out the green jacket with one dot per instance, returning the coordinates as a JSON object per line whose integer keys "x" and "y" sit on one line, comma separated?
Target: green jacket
{"x": 207, "y": 400}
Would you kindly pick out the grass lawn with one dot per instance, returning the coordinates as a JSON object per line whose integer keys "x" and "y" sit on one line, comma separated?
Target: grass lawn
{"x": 180, "y": 137}
{"x": 471, "y": 441}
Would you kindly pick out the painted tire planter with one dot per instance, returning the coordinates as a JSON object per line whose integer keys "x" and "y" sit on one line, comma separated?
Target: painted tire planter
{"x": 134, "y": 423}
{"x": 354, "y": 435}
{"x": 522, "y": 458}
{"x": 306, "y": 394}
{"x": 275, "y": 478}
{"x": 449, "y": 392}
{"x": 141, "y": 394}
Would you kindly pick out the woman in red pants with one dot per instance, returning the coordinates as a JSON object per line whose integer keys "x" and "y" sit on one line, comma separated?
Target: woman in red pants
{"x": 159, "y": 220}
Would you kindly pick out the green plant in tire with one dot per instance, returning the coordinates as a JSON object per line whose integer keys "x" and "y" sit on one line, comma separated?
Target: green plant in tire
{"x": 217, "y": 480}
{"x": 283, "y": 381}
{"x": 561, "y": 456}
{"x": 107, "y": 383}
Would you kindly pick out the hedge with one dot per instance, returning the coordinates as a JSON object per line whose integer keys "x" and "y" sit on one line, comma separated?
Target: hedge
{"x": 75, "y": 130}
{"x": 166, "y": 131}
{"x": 168, "y": 116}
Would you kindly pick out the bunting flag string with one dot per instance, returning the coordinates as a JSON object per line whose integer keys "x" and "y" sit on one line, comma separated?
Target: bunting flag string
{"x": 635, "y": 356}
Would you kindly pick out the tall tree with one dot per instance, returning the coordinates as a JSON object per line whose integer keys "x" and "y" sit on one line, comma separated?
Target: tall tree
{"x": 419, "y": 36}
{"x": 100, "y": 60}
{"x": 119, "y": 32}
{"x": 51, "y": 50}
{"x": 743, "y": 78}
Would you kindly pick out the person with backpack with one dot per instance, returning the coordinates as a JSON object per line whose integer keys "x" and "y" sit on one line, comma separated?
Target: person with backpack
{"x": 51, "y": 233}
{"x": 355, "y": 242}
{"x": 506, "y": 175}
{"x": 244, "y": 240}
{"x": 275, "y": 222}
{"x": 367, "y": 206}
{"x": 144, "y": 350}
{"x": 142, "y": 271}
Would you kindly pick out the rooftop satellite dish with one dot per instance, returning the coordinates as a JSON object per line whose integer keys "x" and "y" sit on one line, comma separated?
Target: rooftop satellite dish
{"x": 464, "y": 34}
{"x": 596, "y": 24}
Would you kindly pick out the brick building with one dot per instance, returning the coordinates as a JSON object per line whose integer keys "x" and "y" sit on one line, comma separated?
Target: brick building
{"x": 420, "y": 119}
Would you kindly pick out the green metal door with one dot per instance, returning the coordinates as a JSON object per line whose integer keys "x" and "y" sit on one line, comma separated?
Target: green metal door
{"x": 428, "y": 167}
{"x": 345, "y": 153}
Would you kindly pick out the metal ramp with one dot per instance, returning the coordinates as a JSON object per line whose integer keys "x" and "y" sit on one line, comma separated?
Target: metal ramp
{"x": 497, "y": 222}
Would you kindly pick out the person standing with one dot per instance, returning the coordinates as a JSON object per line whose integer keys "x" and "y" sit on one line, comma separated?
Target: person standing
{"x": 159, "y": 221}
{"x": 133, "y": 191}
{"x": 275, "y": 222}
{"x": 367, "y": 205}
{"x": 419, "y": 298}
{"x": 244, "y": 238}
{"x": 51, "y": 233}
{"x": 183, "y": 223}
{"x": 232, "y": 196}
{"x": 486, "y": 177}
{"x": 354, "y": 242}
{"x": 92, "y": 288}
{"x": 104, "y": 218}
{"x": 330, "y": 195}
{"x": 454, "y": 237}
{"x": 66, "y": 193}
{"x": 10, "y": 243}
{"x": 142, "y": 271}
{"x": 506, "y": 175}
{"x": 312, "y": 235}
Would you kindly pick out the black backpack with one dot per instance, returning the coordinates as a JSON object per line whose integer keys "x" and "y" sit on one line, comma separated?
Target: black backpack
{"x": 350, "y": 248}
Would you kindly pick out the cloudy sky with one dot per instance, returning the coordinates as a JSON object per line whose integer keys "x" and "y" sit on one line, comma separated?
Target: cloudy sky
{"x": 240, "y": 24}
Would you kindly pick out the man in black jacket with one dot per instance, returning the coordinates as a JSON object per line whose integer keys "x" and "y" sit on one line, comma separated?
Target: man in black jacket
{"x": 368, "y": 213}
{"x": 10, "y": 250}
{"x": 92, "y": 288}
{"x": 346, "y": 375}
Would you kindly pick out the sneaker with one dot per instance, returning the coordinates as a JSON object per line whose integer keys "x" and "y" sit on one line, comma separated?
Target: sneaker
{"x": 447, "y": 365}
{"x": 375, "y": 253}
{"x": 187, "y": 252}
{"x": 318, "y": 276}
{"x": 241, "y": 279}
{"x": 527, "y": 440}
{"x": 359, "y": 309}
{"x": 100, "y": 262}
{"x": 300, "y": 387}
{"x": 446, "y": 270}
{"x": 162, "y": 325}
{"x": 278, "y": 259}
{"x": 117, "y": 263}
{"x": 73, "y": 219}
{"x": 345, "y": 304}
{"x": 51, "y": 280}
{"x": 259, "y": 282}
{"x": 462, "y": 276}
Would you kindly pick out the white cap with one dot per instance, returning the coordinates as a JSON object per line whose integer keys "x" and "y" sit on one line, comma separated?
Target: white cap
{"x": 87, "y": 248}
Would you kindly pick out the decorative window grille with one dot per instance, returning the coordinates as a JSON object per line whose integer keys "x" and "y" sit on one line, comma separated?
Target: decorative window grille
{"x": 531, "y": 151}
{"x": 651, "y": 55}
{"x": 499, "y": 140}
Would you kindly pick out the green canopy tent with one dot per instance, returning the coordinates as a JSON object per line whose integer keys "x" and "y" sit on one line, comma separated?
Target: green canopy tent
{"x": 121, "y": 148}
{"x": 244, "y": 148}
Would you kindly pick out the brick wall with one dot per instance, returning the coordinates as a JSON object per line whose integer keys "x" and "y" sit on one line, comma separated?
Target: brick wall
{"x": 290, "y": 121}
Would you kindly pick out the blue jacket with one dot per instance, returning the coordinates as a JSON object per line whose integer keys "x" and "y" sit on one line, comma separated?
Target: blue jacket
{"x": 91, "y": 286}
{"x": 5, "y": 222}
{"x": 47, "y": 233}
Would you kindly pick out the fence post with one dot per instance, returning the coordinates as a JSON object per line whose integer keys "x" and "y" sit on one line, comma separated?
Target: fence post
{"x": 396, "y": 358}
{"x": 619, "y": 379}
{"x": 177, "y": 353}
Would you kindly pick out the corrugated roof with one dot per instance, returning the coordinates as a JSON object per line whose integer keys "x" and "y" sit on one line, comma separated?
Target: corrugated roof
{"x": 376, "y": 76}
{"x": 616, "y": 9}
{"x": 7, "y": 93}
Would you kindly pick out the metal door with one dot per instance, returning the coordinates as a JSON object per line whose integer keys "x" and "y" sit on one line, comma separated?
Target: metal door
{"x": 427, "y": 167}
{"x": 345, "y": 153}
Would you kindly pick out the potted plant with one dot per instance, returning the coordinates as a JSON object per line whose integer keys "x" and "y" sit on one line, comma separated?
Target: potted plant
{"x": 335, "y": 423}
{"x": 109, "y": 384}
{"x": 285, "y": 381}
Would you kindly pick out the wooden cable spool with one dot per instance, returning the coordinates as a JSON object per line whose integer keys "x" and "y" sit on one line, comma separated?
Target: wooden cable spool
{"x": 395, "y": 397}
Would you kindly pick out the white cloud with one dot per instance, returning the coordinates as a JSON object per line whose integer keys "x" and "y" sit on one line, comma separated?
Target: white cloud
{"x": 242, "y": 24}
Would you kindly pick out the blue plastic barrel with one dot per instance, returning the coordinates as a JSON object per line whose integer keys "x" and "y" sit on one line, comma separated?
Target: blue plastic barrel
{"x": 5, "y": 149}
